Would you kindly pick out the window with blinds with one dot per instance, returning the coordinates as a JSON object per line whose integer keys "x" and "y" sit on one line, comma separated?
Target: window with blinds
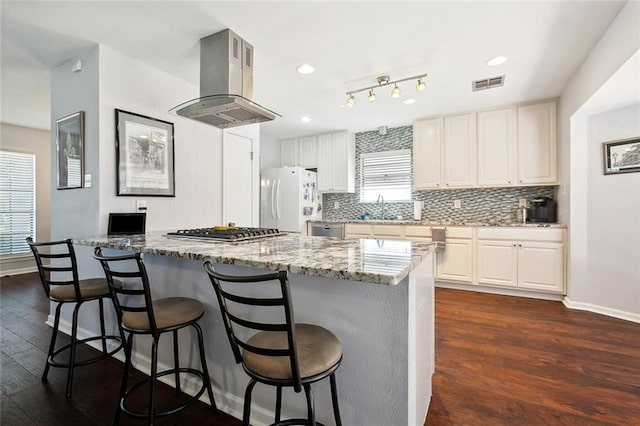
{"x": 17, "y": 201}
{"x": 386, "y": 173}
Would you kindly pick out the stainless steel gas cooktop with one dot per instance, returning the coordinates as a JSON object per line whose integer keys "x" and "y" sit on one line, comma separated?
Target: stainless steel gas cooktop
{"x": 224, "y": 233}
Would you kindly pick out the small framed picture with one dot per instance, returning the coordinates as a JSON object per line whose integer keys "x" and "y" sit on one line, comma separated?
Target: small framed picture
{"x": 144, "y": 155}
{"x": 70, "y": 150}
{"x": 622, "y": 156}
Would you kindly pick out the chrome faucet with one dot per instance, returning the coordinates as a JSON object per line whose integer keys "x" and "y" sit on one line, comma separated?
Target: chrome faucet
{"x": 381, "y": 200}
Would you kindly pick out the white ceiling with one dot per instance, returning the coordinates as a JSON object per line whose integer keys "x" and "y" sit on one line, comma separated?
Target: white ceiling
{"x": 349, "y": 43}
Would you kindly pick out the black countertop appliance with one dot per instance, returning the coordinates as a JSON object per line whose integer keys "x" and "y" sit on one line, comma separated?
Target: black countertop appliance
{"x": 542, "y": 210}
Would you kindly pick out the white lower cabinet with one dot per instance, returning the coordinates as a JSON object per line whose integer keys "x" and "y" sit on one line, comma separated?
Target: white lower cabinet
{"x": 528, "y": 259}
{"x": 525, "y": 258}
{"x": 455, "y": 263}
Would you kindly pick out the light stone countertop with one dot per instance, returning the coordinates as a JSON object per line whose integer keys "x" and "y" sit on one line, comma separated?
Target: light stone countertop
{"x": 444, "y": 223}
{"x": 371, "y": 260}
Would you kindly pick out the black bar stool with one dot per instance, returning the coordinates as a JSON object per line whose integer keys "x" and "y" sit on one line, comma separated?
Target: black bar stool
{"x": 138, "y": 314}
{"x": 67, "y": 288}
{"x": 280, "y": 354}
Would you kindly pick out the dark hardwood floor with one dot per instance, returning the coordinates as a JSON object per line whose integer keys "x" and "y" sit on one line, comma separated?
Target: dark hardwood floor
{"x": 499, "y": 361}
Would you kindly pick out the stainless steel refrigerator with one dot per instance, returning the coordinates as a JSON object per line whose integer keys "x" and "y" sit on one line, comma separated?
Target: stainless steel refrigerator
{"x": 288, "y": 199}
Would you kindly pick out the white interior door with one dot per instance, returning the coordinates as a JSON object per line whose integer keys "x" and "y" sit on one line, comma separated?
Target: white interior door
{"x": 238, "y": 180}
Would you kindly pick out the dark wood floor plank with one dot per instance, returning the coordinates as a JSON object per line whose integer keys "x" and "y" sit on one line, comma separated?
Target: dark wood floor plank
{"x": 499, "y": 361}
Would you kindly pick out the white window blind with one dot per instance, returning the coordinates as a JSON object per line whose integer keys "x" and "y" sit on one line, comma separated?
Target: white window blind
{"x": 386, "y": 173}
{"x": 17, "y": 201}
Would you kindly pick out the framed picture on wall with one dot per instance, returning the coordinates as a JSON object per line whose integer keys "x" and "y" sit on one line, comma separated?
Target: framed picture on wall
{"x": 70, "y": 151}
{"x": 622, "y": 156}
{"x": 144, "y": 155}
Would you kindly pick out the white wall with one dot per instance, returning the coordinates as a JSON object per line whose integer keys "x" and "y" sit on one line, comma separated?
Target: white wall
{"x": 130, "y": 85}
{"x": 110, "y": 80}
{"x": 614, "y": 49}
{"x": 32, "y": 141}
{"x": 614, "y": 217}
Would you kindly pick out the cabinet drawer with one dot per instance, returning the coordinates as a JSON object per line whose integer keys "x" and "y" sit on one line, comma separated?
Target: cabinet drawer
{"x": 388, "y": 230}
{"x": 456, "y": 232}
{"x": 412, "y": 231}
{"x": 522, "y": 234}
{"x": 357, "y": 229}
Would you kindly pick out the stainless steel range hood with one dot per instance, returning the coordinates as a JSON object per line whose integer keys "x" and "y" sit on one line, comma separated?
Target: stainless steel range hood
{"x": 226, "y": 84}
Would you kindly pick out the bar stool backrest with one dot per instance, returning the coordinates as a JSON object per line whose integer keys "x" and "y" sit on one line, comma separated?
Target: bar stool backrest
{"x": 134, "y": 294}
{"x": 241, "y": 305}
{"x": 62, "y": 271}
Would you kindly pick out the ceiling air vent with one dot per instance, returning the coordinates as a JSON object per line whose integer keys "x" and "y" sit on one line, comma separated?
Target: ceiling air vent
{"x": 487, "y": 83}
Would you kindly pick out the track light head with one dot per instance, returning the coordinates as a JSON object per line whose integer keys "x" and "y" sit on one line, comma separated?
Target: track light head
{"x": 372, "y": 96}
{"x": 395, "y": 92}
{"x": 351, "y": 100}
{"x": 420, "y": 86}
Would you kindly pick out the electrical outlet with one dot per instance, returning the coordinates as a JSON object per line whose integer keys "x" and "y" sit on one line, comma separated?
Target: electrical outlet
{"x": 457, "y": 204}
{"x": 336, "y": 205}
{"x": 141, "y": 205}
{"x": 522, "y": 202}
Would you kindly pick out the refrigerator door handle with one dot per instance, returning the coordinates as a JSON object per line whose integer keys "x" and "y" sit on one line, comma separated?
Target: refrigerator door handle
{"x": 278, "y": 200}
{"x": 273, "y": 201}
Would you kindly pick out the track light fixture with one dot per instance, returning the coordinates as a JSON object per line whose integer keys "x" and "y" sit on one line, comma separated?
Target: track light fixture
{"x": 384, "y": 80}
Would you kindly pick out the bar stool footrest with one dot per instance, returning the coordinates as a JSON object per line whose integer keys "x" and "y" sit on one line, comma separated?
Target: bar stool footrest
{"x": 65, "y": 364}
{"x": 191, "y": 400}
{"x": 292, "y": 422}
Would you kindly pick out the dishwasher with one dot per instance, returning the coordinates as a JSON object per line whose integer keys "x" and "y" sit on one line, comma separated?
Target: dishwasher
{"x": 327, "y": 230}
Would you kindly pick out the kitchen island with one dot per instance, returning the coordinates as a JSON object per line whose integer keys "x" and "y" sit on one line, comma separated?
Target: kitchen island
{"x": 376, "y": 296}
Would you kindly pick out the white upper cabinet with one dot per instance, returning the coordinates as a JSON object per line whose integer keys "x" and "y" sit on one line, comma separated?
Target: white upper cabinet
{"x": 427, "y": 149}
{"x": 289, "y": 152}
{"x": 336, "y": 163}
{"x": 459, "y": 150}
{"x": 307, "y": 152}
{"x": 497, "y": 147}
{"x": 510, "y": 146}
{"x": 537, "y": 143}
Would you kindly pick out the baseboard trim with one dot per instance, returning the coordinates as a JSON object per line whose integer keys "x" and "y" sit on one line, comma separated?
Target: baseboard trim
{"x": 500, "y": 291}
{"x": 225, "y": 401}
{"x": 603, "y": 310}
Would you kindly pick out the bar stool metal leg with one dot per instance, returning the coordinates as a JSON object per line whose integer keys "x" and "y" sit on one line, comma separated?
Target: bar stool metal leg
{"x": 72, "y": 353}
{"x": 311, "y": 408}
{"x": 205, "y": 370}
{"x": 125, "y": 376}
{"x": 334, "y": 399}
{"x": 154, "y": 375}
{"x": 278, "y": 403}
{"x": 176, "y": 360}
{"x": 247, "y": 402}
{"x": 52, "y": 344}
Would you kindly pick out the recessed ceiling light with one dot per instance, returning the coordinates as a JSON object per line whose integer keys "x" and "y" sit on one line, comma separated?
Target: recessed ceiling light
{"x": 305, "y": 69}
{"x": 497, "y": 60}
{"x": 409, "y": 101}
{"x": 305, "y": 119}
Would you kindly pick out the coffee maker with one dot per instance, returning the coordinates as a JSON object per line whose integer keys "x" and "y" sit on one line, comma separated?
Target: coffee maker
{"x": 542, "y": 210}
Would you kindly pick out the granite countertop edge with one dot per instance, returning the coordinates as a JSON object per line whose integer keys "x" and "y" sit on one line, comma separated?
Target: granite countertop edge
{"x": 155, "y": 244}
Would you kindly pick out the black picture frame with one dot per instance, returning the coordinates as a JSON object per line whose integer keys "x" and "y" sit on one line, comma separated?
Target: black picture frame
{"x": 70, "y": 151}
{"x": 144, "y": 156}
{"x": 622, "y": 156}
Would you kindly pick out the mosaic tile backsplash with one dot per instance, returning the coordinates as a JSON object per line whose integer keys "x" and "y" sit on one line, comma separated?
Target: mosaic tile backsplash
{"x": 477, "y": 204}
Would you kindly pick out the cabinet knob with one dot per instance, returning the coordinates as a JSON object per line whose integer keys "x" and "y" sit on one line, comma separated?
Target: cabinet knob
{"x": 519, "y": 245}
{"x": 514, "y": 245}
{"x": 509, "y": 182}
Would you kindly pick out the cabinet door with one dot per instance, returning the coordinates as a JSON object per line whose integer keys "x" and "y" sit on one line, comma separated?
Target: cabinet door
{"x": 537, "y": 143}
{"x": 307, "y": 150}
{"x": 289, "y": 152}
{"x": 541, "y": 266}
{"x": 497, "y": 147}
{"x": 325, "y": 164}
{"x": 340, "y": 162}
{"x": 427, "y": 140}
{"x": 459, "y": 147}
{"x": 388, "y": 231}
{"x": 456, "y": 262}
{"x": 497, "y": 263}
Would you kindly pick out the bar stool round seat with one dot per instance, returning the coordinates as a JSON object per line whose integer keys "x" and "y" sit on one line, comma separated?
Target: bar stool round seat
{"x": 318, "y": 350}
{"x": 61, "y": 284}
{"x": 170, "y": 312}
{"x": 138, "y": 314}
